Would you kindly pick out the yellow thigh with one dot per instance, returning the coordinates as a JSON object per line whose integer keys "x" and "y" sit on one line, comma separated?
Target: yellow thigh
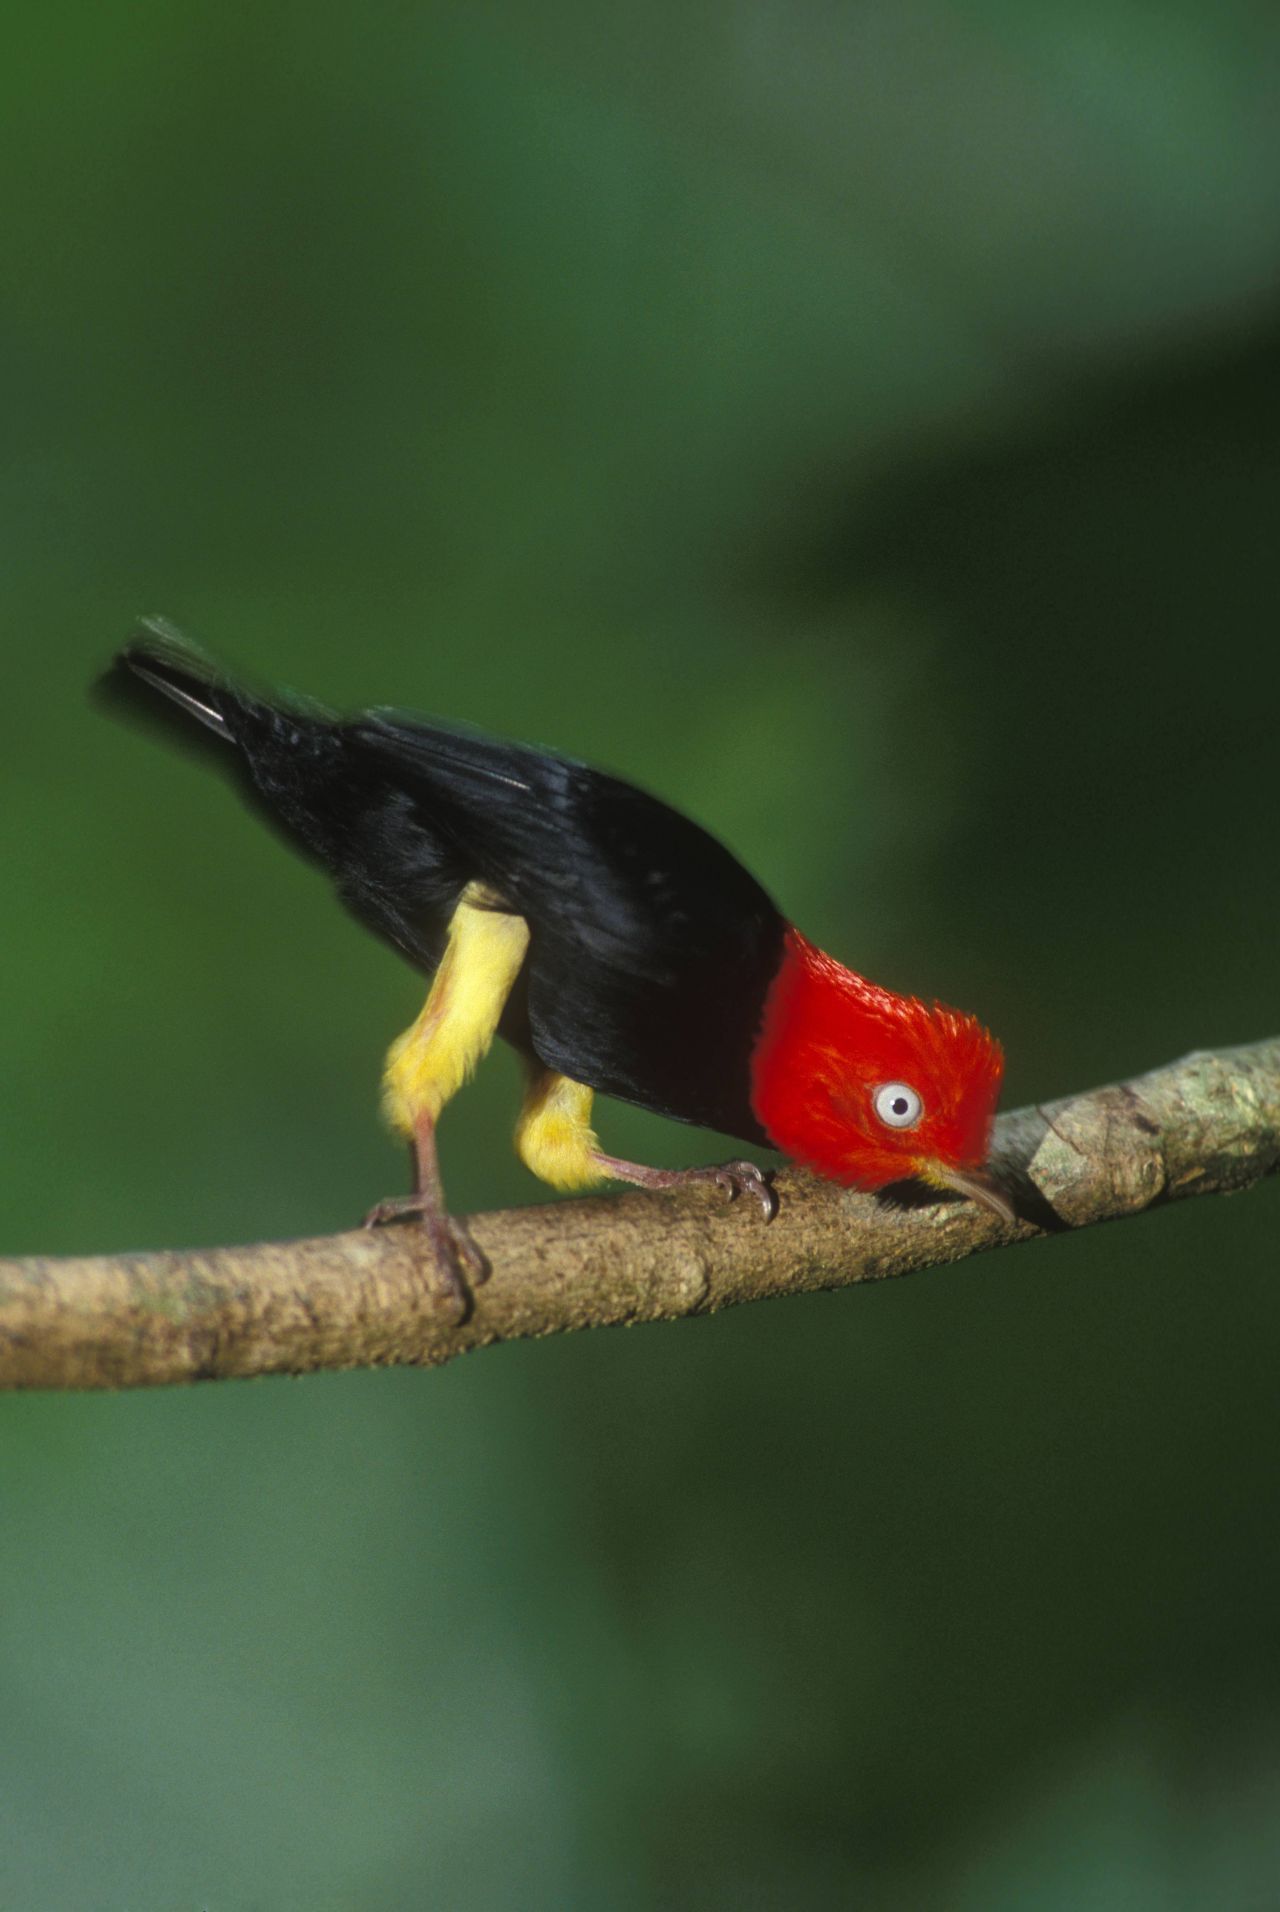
{"x": 554, "y": 1136}
{"x": 430, "y": 1062}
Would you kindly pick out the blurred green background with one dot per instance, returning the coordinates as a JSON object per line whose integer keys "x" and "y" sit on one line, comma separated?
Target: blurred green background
{"x": 860, "y": 425}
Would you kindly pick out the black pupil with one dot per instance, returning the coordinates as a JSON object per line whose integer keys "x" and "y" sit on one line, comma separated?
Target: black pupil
{"x": 900, "y": 1105}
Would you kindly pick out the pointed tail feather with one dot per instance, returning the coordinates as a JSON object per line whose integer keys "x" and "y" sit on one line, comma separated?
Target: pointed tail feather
{"x": 161, "y": 676}
{"x": 284, "y": 755}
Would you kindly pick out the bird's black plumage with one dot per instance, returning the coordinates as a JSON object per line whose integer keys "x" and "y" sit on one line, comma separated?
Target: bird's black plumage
{"x": 651, "y": 949}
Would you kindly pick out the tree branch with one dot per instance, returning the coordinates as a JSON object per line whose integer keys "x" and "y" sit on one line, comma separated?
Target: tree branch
{"x": 1206, "y": 1125}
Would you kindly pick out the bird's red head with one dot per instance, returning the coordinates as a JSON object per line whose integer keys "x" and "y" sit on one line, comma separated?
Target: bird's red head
{"x": 869, "y": 1088}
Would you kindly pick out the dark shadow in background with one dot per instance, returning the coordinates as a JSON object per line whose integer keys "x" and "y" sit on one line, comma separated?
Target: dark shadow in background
{"x": 1107, "y": 587}
{"x": 1071, "y": 1536}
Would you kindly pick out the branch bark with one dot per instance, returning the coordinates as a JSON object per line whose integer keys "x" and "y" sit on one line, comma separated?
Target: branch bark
{"x": 1206, "y": 1125}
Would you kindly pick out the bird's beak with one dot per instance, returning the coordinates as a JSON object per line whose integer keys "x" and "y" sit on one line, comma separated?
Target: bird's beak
{"x": 977, "y": 1183}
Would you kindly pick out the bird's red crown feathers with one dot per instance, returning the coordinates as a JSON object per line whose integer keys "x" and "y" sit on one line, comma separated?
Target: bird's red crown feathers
{"x": 834, "y": 1045}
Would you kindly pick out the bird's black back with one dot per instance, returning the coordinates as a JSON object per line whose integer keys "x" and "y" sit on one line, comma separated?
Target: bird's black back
{"x": 651, "y": 948}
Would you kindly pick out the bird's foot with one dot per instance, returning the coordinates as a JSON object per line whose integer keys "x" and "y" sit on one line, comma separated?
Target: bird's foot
{"x": 735, "y": 1178}
{"x": 460, "y": 1263}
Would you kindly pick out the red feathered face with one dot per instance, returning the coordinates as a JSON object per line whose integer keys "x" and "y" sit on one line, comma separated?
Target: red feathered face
{"x": 869, "y": 1088}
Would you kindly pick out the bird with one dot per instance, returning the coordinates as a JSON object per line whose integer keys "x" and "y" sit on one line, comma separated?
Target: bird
{"x": 619, "y": 947}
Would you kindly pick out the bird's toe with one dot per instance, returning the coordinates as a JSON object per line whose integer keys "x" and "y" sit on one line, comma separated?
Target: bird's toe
{"x": 750, "y": 1180}
{"x": 396, "y": 1208}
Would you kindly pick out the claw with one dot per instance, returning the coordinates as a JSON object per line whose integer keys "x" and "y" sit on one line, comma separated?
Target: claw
{"x": 744, "y": 1178}
{"x": 460, "y": 1263}
{"x": 735, "y": 1178}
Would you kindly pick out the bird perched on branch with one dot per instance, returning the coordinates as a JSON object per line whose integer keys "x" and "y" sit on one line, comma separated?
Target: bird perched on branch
{"x": 616, "y": 945}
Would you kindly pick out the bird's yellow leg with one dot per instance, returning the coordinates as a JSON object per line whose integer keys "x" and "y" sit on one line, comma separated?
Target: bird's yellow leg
{"x": 429, "y": 1063}
{"x": 555, "y": 1139}
{"x": 554, "y": 1136}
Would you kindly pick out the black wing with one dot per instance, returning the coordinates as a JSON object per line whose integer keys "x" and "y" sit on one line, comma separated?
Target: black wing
{"x": 299, "y": 768}
{"x": 651, "y": 948}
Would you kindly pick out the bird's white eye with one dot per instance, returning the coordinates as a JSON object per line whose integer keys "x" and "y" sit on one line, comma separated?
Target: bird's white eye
{"x": 898, "y": 1105}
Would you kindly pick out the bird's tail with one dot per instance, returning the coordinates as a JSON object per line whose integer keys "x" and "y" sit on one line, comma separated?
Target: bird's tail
{"x": 161, "y": 677}
{"x": 284, "y": 755}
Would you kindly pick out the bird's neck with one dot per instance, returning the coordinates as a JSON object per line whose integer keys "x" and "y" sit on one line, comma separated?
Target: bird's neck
{"x": 817, "y": 1015}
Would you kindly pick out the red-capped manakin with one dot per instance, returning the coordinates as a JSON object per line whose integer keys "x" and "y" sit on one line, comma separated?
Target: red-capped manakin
{"x": 616, "y": 945}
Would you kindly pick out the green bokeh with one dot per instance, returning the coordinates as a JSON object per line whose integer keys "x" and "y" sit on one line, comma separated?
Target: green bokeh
{"x": 859, "y": 424}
